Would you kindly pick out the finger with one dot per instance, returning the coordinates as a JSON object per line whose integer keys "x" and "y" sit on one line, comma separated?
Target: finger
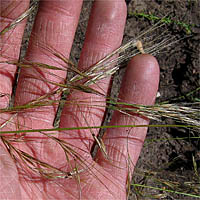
{"x": 10, "y": 43}
{"x": 54, "y": 27}
{"x": 123, "y": 145}
{"x": 107, "y": 18}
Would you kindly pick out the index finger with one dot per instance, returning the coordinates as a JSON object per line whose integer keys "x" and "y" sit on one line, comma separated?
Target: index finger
{"x": 123, "y": 144}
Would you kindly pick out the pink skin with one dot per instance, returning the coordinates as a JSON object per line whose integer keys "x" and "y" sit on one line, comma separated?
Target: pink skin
{"x": 57, "y": 21}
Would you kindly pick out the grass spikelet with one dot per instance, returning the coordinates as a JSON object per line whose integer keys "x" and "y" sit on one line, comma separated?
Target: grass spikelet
{"x": 15, "y": 22}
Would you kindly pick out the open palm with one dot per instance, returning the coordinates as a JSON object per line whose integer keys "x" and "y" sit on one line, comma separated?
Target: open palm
{"x": 100, "y": 178}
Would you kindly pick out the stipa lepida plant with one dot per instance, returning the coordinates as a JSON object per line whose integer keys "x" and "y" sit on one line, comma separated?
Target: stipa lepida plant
{"x": 75, "y": 166}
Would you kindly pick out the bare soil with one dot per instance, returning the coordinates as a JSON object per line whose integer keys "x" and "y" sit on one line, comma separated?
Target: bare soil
{"x": 168, "y": 158}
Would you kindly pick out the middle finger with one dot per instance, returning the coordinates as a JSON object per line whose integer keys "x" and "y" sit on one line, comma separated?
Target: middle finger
{"x": 104, "y": 34}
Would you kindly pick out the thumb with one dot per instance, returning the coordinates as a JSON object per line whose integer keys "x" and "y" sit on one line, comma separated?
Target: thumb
{"x": 123, "y": 145}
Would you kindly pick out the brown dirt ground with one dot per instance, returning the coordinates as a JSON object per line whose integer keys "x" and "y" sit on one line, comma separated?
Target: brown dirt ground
{"x": 167, "y": 158}
{"x": 171, "y": 159}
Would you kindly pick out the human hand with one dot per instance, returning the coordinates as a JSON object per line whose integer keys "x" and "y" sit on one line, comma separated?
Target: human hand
{"x": 101, "y": 178}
